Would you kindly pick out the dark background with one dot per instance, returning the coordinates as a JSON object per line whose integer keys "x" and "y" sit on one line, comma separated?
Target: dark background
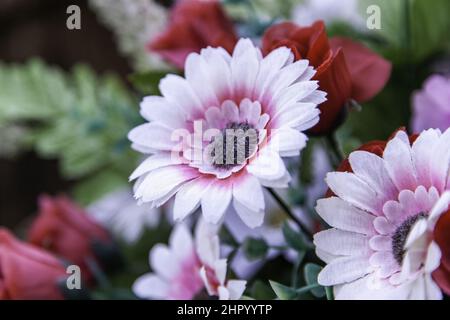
{"x": 37, "y": 28}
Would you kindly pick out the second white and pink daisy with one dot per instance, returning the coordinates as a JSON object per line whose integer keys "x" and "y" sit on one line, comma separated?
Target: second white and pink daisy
{"x": 389, "y": 213}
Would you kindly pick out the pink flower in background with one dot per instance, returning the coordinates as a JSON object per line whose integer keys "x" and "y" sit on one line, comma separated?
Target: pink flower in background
{"x": 65, "y": 229}
{"x": 272, "y": 99}
{"x": 387, "y": 241}
{"x": 28, "y": 272}
{"x": 187, "y": 266}
{"x": 431, "y": 105}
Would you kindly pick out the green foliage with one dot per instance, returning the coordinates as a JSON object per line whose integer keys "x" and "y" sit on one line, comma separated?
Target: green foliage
{"x": 255, "y": 249}
{"x": 80, "y": 118}
{"x": 414, "y": 29}
{"x": 283, "y": 292}
{"x": 311, "y": 271}
{"x": 296, "y": 240}
{"x": 147, "y": 82}
{"x": 261, "y": 291}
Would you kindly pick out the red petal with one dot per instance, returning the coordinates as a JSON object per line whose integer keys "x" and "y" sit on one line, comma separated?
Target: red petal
{"x": 277, "y": 33}
{"x": 368, "y": 70}
{"x": 335, "y": 80}
{"x": 442, "y": 277}
{"x": 442, "y": 238}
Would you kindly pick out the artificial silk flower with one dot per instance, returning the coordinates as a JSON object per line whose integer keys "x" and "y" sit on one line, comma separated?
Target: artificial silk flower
{"x": 264, "y": 102}
{"x": 193, "y": 25}
{"x": 390, "y": 216}
{"x": 346, "y": 70}
{"x": 119, "y": 213}
{"x": 187, "y": 266}
{"x": 28, "y": 272}
{"x": 431, "y": 105}
{"x": 65, "y": 229}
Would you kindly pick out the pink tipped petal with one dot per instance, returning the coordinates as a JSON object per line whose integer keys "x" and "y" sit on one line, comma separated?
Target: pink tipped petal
{"x": 371, "y": 169}
{"x": 383, "y": 226}
{"x": 397, "y": 156}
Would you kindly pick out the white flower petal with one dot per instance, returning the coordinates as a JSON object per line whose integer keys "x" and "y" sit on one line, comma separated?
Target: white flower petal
{"x": 399, "y": 164}
{"x": 338, "y": 242}
{"x": 150, "y": 286}
{"x": 236, "y": 289}
{"x": 250, "y": 217}
{"x": 342, "y": 215}
{"x": 215, "y": 202}
{"x": 354, "y": 190}
{"x": 181, "y": 242}
{"x": 342, "y": 270}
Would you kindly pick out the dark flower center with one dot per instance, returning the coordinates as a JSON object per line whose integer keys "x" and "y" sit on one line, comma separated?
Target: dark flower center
{"x": 234, "y": 145}
{"x": 401, "y": 234}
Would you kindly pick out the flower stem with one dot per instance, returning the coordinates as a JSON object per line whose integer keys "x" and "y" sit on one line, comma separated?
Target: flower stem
{"x": 289, "y": 212}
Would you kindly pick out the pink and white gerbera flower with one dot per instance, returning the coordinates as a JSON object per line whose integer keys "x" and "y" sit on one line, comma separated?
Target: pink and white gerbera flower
{"x": 187, "y": 266}
{"x": 269, "y": 100}
{"x": 382, "y": 244}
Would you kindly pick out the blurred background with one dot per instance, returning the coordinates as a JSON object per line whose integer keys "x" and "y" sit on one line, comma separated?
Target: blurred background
{"x": 37, "y": 28}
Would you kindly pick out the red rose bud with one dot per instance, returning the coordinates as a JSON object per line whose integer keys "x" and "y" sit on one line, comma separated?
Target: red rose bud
{"x": 442, "y": 238}
{"x": 28, "y": 272}
{"x": 346, "y": 70}
{"x": 194, "y": 24}
{"x": 66, "y": 230}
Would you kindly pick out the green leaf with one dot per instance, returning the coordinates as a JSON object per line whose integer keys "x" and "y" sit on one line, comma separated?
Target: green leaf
{"x": 296, "y": 240}
{"x": 311, "y": 272}
{"x": 147, "y": 82}
{"x": 283, "y": 292}
{"x": 414, "y": 29}
{"x": 255, "y": 249}
{"x": 98, "y": 185}
{"x": 329, "y": 293}
{"x": 261, "y": 291}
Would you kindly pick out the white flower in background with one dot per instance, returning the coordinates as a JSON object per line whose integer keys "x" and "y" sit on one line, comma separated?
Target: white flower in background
{"x": 272, "y": 99}
{"x": 383, "y": 241}
{"x": 214, "y": 269}
{"x": 187, "y": 266}
{"x": 329, "y": 11}
{"x": 119, "y": 213}
{"x": 135, "y": 23}
{"x": 271, "y": 230}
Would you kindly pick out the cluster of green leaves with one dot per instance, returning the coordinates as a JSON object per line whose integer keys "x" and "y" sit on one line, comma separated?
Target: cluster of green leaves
{"x": 78, "y": 117}
{"x": 413, "y": 30}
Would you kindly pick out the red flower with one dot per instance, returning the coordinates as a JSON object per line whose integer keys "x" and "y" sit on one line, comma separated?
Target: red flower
{"x": 345, "y": 69}
{"x": 442, "y": 238}
{"x": 65, "y": 229}
{"x": 376, "y": 147}
{"x": 27, "y": 272}
{"x": 194, "y": 24}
